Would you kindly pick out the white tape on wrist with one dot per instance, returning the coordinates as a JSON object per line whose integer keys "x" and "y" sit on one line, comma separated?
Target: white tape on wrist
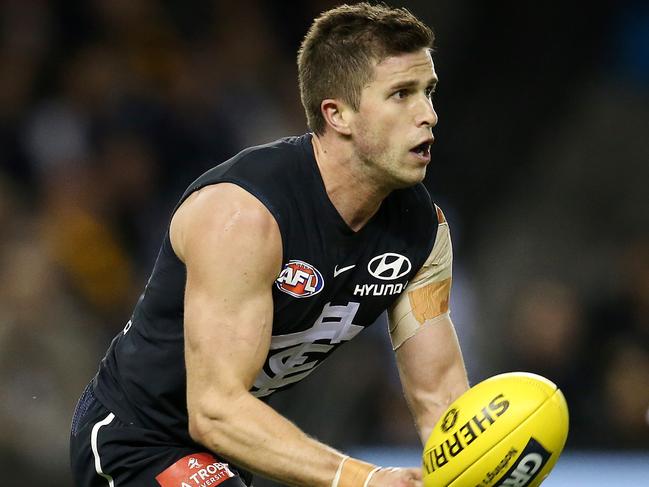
{"x": 369, "y": 476}
{"x": 334, "y": 482}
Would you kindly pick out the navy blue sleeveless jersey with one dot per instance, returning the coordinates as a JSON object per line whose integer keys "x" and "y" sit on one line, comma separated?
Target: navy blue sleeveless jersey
{"x": 334, "y": 282}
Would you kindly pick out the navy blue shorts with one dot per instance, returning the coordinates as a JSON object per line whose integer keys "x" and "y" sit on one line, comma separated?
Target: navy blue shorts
{"x": 106, "y": 452}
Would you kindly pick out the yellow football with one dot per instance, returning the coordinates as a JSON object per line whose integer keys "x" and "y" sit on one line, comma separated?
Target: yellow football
{"x": 508, "y": 430}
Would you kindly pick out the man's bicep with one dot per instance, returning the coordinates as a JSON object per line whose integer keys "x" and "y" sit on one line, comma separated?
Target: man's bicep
{"x": 226, "y": 337}
{"x": 427, "y": 296}
{"x": 232, "y": 251}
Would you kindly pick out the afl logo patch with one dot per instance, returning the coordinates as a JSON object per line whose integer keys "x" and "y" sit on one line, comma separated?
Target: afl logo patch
{"x": 299, "y": 279}
{"x": 389, "y": 266}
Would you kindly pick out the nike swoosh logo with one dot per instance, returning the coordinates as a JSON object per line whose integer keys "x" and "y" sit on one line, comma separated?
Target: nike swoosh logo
{"x": 342, "y": 269}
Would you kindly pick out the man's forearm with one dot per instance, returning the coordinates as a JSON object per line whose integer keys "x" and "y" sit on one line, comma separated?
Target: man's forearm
{"x": 429, "y": 410}
{"x": 432, "y": 373}
{"x": 253, "y": 435}
{"x": 428, "y": 407}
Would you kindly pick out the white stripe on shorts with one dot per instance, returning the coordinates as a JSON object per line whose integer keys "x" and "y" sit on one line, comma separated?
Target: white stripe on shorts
{"x": 95, "y": 452}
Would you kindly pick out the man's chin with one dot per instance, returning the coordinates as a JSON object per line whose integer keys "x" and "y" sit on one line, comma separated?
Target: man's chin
{"x": 411, "y": 178}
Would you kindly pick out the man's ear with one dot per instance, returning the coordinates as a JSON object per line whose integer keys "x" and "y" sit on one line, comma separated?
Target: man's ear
{"x": 337, "y": 114}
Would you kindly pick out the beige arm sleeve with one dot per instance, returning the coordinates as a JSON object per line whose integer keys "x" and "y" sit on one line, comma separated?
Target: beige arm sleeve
{"x": 427, "y": 296}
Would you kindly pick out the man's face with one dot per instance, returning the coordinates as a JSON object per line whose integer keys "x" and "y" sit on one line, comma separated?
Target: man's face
{"x": 392, "y": 129}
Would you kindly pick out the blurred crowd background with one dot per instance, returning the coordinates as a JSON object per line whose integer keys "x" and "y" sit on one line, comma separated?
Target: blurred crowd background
{"x": 110, "y": 108}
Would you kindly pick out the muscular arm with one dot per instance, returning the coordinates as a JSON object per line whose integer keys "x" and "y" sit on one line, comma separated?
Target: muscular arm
{"x": 232, "y": 250}
{"x": 428, "y": 354}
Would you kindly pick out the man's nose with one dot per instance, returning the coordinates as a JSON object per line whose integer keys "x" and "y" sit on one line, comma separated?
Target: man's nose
{"x": 427, "y": 115}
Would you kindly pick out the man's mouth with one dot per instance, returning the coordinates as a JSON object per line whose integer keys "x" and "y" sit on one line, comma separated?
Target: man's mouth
{"x": 423, "y": 149}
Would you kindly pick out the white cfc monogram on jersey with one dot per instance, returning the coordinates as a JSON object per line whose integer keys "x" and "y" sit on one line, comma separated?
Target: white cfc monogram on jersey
{"x": 291, "y": 362}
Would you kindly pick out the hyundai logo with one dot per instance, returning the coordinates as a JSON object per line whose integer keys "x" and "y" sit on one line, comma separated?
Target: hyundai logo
{"x": 389, "y": 266}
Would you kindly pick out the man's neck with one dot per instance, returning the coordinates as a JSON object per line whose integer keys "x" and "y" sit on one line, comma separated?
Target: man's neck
{"x": 356, "y": 196}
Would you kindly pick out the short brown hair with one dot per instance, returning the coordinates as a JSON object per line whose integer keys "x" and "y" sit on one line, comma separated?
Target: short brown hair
{"x": 337, "y": 56}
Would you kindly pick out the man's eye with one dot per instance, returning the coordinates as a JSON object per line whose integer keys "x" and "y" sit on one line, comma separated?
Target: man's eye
{"x": 401, "y": 94}
{"x": 429, "y": 92}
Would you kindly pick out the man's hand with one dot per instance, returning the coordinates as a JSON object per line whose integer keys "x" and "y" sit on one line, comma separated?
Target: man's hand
{"x": 396, "y": 477}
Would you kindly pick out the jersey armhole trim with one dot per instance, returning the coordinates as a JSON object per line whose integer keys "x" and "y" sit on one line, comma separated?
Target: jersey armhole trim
{"x": 433, "y": 237}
